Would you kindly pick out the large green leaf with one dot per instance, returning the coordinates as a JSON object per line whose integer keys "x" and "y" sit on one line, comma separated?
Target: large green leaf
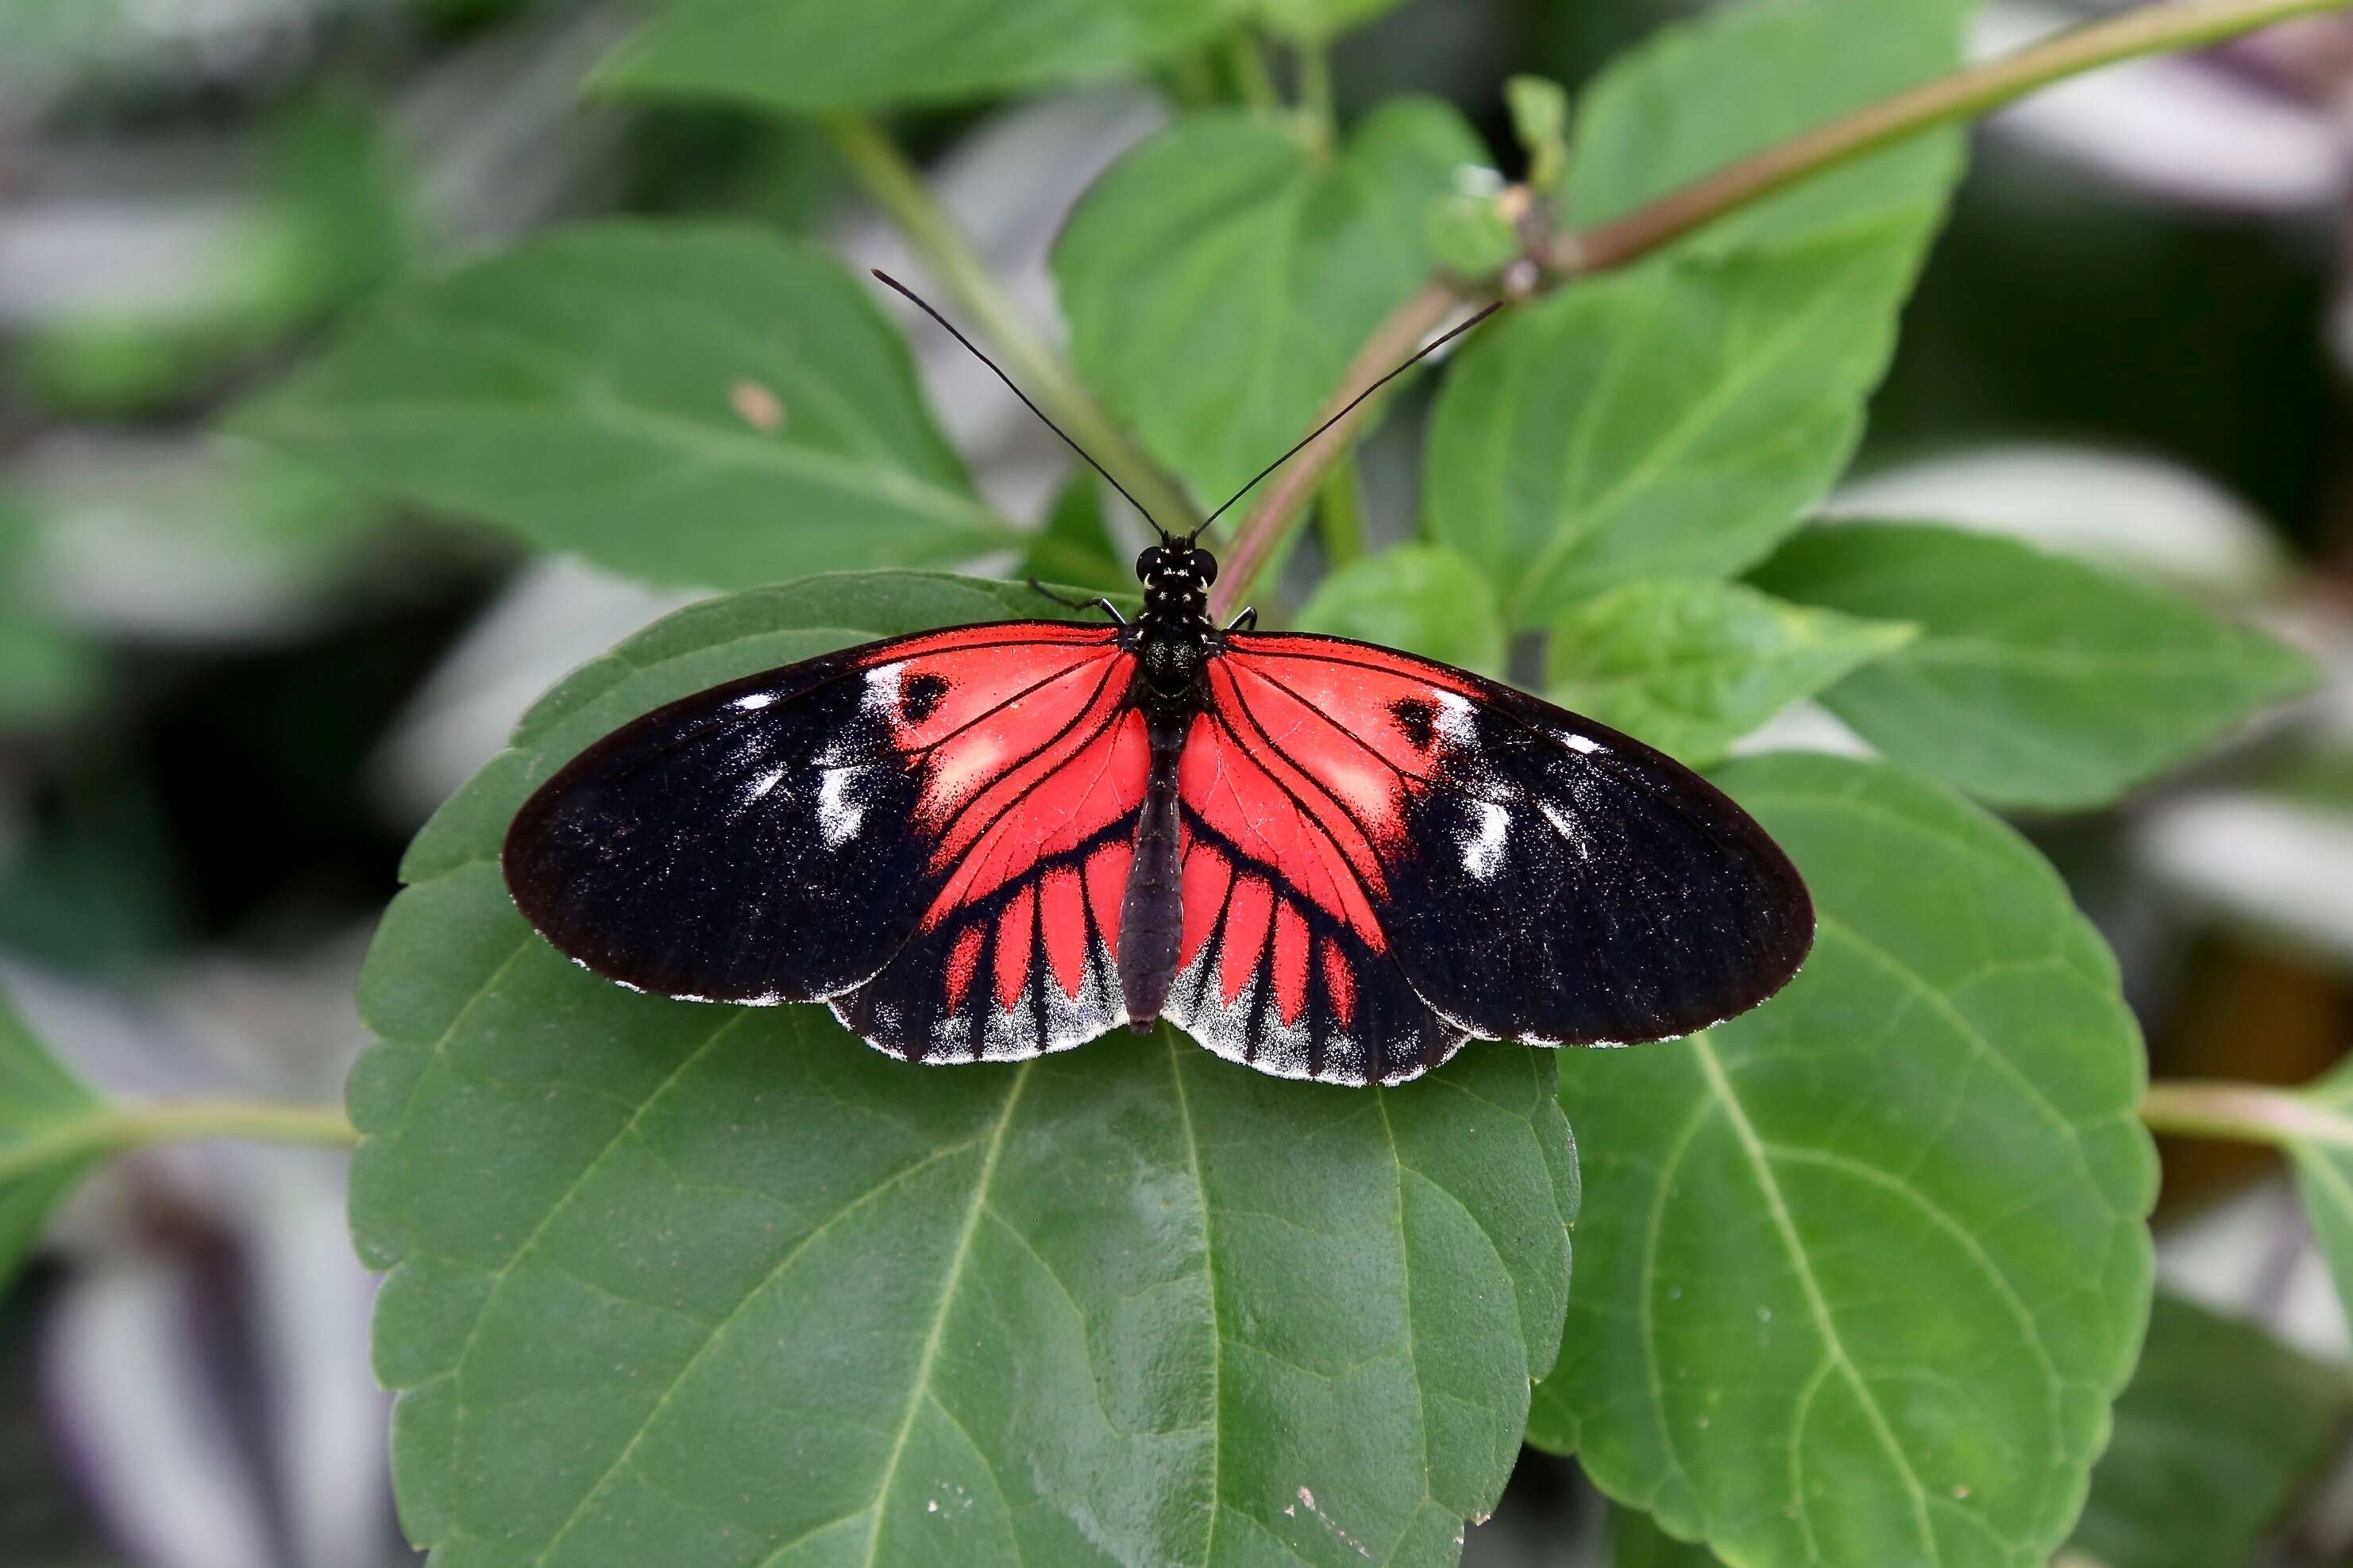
{"x": 1862, "y": 1270}
{"x": 44, "y": 1149}
{"x": 1219, "y": 277}
{"x": 701, "y": 405}
{"x": 808, "y": 57}
{"x": 1415, "y": 597}
{"x": 2220, "y": 1427}
{"x": 2036, "y": 681}
{"x": 1675, "y": 419}
{"x": 1693, "y": 667}
{"x": 715, "y": 1286}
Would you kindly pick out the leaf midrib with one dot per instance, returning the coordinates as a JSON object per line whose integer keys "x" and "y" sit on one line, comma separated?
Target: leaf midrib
{"x": 1800, "y": 1264}
{"x": 921, "y": 1389}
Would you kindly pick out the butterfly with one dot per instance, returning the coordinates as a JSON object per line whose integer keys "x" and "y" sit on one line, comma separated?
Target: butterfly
{"x": 1320, "y": 858}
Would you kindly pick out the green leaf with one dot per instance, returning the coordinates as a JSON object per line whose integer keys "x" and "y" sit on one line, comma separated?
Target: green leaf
{"x": 1674, "y": 420}
{"x": 1637, "y": 1541}
{"x": 40, "y": 1155}
{"x": 1539, "y": 109}
{"x": 1415, "y": 597}
{"x": 1219, "y": 277}
{"x": 2036, "y": 681}
{"x": 713, "y": 1285}
{"x": 704, "y": 406}
{"x": 1471, "y": 237}
{"x": 1076, "y": 545}
{"x": 1693, "y": 667}
{"x": 2220, "y": 1427}
{"x": 1862, "y": 1270}
{"x": 812, "y": 57}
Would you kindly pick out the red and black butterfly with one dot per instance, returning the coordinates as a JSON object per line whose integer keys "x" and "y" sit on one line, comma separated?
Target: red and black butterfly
{"x": 1323, "y": 858}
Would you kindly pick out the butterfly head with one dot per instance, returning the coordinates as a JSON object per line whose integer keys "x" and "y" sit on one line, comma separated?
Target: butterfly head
{"x": 1176, "y": 577}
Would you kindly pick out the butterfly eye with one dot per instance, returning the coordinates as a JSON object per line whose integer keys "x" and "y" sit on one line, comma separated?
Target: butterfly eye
{"x": 1148, "y": 563}
{"x": 1205, "y": 566}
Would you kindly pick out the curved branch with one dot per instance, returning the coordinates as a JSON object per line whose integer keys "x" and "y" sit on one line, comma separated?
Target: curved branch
{"x": 1973, "y": 90}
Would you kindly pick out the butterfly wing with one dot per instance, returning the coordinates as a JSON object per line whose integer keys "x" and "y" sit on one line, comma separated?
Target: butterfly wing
{"x": 919, "y": 831}
{"x": 1385, "y": 856}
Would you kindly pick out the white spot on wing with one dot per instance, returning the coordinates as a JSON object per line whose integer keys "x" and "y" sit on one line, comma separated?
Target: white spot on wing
{"x": 765, "y": 783}
{"x": 882, "y": 689}
{"x": 1454, "y": 713}
{"x": 838, "y": 816}
{"x": 1568, "y": 826}
{"x": 1485, "y": 851}
{"x": 1585, "y": 743}
{"x": 752, "y": 703}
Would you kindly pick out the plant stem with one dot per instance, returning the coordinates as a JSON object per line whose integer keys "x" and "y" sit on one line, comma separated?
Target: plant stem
{"x": 1253, "y": 83}
{"x": 899, "y": 188}
{"x": 1315, "y": 103}
{"x": 1963, "y": 95}
{"x": 1340, "y": 515}
{"x": 1972, "y": 90}
{"x": 2246, "y": 1112}
{"x": 1255, "y": 545}
{"x": 113, "y": 1129}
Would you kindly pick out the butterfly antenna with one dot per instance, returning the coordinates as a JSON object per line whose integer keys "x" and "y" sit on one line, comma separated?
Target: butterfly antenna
{"x": 926, "y": 306}
{"x": 1419, "y": 354}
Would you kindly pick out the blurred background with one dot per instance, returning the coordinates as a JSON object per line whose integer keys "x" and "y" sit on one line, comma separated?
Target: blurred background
{"x": 231, "y": 689}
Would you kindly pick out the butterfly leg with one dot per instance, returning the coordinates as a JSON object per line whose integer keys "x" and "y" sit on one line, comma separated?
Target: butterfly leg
{"x": 1244, "y": 621}
{"x": 1107, "y": 607}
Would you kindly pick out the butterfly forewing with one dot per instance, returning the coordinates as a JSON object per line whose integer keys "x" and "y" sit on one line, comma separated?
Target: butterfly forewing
{"x": 786, "y": 836}
{"x": 1387, "y": 856}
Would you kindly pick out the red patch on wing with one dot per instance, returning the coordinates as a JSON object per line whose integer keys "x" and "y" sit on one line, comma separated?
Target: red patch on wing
{"x": 1256, "y": 799}
{"x": 1014, "y": 929}
{"x": 1064, "y": 918}
{"x": 1342, "y": 982}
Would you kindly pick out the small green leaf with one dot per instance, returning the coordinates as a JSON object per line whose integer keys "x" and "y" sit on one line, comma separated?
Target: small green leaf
{"x": 1221, "y": 277}
{"x": 2036, "y": 681}
{"x": 1674, "y": 420}
{"x": 1693, "y": 667}
{"x": 1076, "y": 545}
{"x": 709, "y": 1286}
{"x": 2220, "y": 1427}
{"x": 1416, "y": 596}
{"x": 712, "y": 406}
{"x": 1539, "y": 110}
{"x": 1862, "y": 1270}
{"x": 40, "y": 1156}
{"x": 812, "y": 57}
{"x": 1471, "y": 237}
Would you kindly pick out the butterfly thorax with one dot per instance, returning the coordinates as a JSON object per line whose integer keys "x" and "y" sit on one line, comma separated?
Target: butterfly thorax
{"x": 1174, "y": 637}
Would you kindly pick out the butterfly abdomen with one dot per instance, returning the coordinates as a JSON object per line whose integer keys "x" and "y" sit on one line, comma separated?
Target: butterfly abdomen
{"x": 1152, "y": 916}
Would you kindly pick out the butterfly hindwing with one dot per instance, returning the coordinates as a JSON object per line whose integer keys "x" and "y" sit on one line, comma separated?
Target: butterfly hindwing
{"x": 1522, "y": 872}
{"x": 816, "y": 832}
